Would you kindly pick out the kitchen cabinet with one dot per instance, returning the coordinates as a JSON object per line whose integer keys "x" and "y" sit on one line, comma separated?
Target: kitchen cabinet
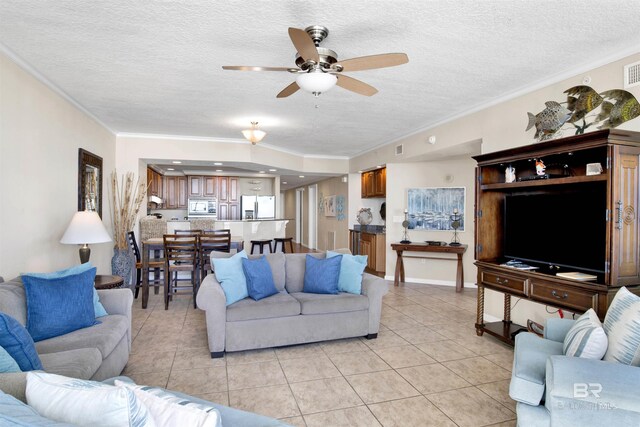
{"x": 373, "y": 184}
{"x": 613, "y": 193}
{"x": 154, "y": 182}
{"x": 228, "y": 198}
{"x": 210, "y": 186}
{"x": 175, "y": 192}
{"x": 373, "y": 245}
{"x": 182, "y": 192}
{"x": 195, "y": 186}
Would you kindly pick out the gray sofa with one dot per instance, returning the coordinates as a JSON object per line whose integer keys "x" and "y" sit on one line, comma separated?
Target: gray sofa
{"x": 291, "y": 316}
{"x": 98, "y": 352}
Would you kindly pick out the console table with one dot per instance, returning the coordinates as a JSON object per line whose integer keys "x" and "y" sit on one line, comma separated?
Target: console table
{"x": 423, "y": 247}
{"x": 107, "y": 281}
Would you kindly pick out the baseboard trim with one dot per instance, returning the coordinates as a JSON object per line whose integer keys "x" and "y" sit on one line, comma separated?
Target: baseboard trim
{"x": 432, "y": 282}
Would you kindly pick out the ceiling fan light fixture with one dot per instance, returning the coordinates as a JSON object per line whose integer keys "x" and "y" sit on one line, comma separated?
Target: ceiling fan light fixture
{"x": 254, "y": 135}
{"x": 316, "y": 82}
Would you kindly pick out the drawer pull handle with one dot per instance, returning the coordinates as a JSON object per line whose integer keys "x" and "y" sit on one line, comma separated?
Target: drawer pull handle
{"x": 502, "y": 281}
{"x": 564, "y": 295}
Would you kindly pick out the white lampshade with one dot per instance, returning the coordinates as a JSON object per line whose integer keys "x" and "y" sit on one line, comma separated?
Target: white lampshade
{"x": 85, "y": 227}
{"x": 254, "y": 135}
{"x": 316, "y": 82}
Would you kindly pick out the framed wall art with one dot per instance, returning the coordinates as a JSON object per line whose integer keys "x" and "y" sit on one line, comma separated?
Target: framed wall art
{"x": 431, "y": 209}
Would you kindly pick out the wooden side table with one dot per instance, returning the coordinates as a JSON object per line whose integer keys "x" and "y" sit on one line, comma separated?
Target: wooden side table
{"x": 422, "y": 247}
{"x": 107, "y": 281}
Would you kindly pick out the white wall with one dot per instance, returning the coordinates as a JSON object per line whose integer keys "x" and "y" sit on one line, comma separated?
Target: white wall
{"x": 40, "y": 133}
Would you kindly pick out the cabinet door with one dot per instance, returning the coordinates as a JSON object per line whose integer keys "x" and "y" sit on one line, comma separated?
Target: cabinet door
{"x": 234, "y": 211}
{"x": 233, "y": 190}
{"x": 210, "y": 186}
{"x": 195, "y": 186}
{"x": 149, "y": 182}
{"x": 223, "y": 189}
{"x": 380, "y": 182}
{"x": 223, "y": 211}
{"x": 625, "y": 231}
{"x": 170, "y": 200}
{"x": 181, "y": 184}
{"x": 368, "y": 248}
{"x": 371, "y": 184}
{"x": 367, "y": 184}
{"x": 157, "y": 179}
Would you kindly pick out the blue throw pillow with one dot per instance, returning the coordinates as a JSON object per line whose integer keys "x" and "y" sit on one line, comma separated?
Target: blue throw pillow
{"x": 81, "y": 268}
{"x": 321, "y": 275}
{"x": 14, "y": 412}
{"x": 259, "y": 277}
{"x": 229, "y": 273}
{"x": 15, "y": 339}
{"x": 8, "y": 363}
{"x": 351, "y": 269}
{"x": 58, "y": 306}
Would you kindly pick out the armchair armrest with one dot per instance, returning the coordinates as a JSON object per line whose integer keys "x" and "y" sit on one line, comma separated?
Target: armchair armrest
{"x": 556, "y": 329}
{"x": 374, "y": 288}
{"x": 592, "y": 392}
{"x": 212, "y": 300}
{"x": 118, "y": 301}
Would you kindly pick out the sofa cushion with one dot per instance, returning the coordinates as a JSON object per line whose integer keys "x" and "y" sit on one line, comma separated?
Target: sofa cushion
{"x": 321, "y": 275}
{"x": 13, "y": 301}
{"x": 16, "y": 413}
{"x": 294, "y": 268}
{"x": 59, "y": 305}
{"x": 277, "y": 263}
{"x": 104, "y": 337}
{"x": 529, "y": 366}
{"x": 586, "y": 338}
{"x": 324, "y": 303}
{"x": 259, "y": 278}
{"x": 278, "y": 305}
{"x": 16, "y": 340}
{"x": 7, "y": 363}
{"x": 622, "y": 326}
{"x": 80, "y": 363}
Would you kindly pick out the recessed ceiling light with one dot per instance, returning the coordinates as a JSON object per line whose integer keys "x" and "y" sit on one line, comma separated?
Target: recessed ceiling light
{"x": 378, "y": 166}
{"x": 301, "y": 176}
{"x": 359, "y": 171}
{"x": 284, "y": 182}
{"x": 262, "y": 172}
{"x": 170, "y": 169}
{"x": 176, "y": 162}
{"x": 217, "y": 164}
{"x": 273, "y": 170}
{"x": 218, "y": 170}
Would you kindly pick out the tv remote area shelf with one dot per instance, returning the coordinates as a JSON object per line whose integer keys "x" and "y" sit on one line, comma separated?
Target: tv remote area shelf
{"x": 618, "y": 152}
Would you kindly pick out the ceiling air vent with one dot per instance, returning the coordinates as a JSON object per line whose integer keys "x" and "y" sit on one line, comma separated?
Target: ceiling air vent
{"x": 632, "y": 75}
{"x": 399, "y": 149}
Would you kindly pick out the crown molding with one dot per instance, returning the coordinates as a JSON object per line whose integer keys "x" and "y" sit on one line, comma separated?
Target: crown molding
{"x": 52, "y": 86}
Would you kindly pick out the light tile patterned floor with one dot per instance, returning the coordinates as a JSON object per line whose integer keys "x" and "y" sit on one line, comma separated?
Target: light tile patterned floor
{"x": 426, "y": 368}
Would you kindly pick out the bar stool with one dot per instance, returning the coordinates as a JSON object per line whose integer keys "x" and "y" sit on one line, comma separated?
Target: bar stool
{"x": 283, "y": 241}
{"x": 181, "y": 255}
{"x": 261, "y": 244}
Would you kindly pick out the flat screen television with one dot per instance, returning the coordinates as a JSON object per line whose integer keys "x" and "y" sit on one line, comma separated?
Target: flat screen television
{"x": 566, "y": 230}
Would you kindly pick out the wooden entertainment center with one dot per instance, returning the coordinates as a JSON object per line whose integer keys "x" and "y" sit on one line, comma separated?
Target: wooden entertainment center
{"x": 566, "y": 159}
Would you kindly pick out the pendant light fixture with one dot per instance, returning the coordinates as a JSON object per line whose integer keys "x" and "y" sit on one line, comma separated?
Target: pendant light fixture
{"x": 254, "y": 135}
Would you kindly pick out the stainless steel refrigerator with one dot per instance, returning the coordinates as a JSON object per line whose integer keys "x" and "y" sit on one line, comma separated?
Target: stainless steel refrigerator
{"x": 258, "y": 207}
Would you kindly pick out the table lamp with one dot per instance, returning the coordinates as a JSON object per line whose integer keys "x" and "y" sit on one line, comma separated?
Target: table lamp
{"x": 85, "y": 227}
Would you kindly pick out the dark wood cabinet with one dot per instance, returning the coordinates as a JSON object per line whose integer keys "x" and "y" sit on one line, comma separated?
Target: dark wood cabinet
{"x": 154, "y": 182}
{"x": 195, "y": 186}
{"x": 617, "y": 187}
{"x": 175, "y": 192}
{"x": 373, "y": 246}
{"x": 228, "y": 198}
{"x": 210, "y": 186}
{"x": 374, "y": 183}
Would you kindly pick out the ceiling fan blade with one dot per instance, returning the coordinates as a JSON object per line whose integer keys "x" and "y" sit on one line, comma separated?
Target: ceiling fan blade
{"x": 304, "y": 44}
{"x": 374, "y": 61}
{"x": 252, "y": 68}
{"x": 289, "y": 90}
{"x": 355, "y": 85}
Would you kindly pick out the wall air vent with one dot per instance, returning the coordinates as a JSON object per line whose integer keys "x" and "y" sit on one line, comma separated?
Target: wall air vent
{"x": 399, "y": 149}
{"x": 632, "y": 75}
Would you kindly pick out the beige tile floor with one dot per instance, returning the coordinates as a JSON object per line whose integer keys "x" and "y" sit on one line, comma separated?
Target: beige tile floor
{"x": 426, "y": 368}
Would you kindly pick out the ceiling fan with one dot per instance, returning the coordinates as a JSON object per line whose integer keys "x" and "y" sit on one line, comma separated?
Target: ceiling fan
{"x": 318, "y": 68}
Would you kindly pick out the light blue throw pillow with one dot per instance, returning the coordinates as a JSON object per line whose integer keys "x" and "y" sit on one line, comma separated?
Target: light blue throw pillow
{"x": 622, "y": 326}
{"x": 81, "y": 268}
{"x": 259, "y": 277}
{"x": 58, "y": 306}
{"x": 230, "y": 274}
{"x": 15, "y": 339}
{"x": 351, "y": 269}
{"x": 321, "y": 275}
{"x": 16, "y": 413}
{"x": 7, "y": 363}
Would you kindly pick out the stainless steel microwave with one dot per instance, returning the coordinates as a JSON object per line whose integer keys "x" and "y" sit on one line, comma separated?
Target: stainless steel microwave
{"x": 203, "y": 207}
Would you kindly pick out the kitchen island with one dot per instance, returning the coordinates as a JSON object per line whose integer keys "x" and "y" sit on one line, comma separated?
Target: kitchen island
{"x": 245, "y": 230}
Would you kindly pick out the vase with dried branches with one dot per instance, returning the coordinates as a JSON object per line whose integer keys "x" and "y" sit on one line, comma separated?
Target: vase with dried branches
{"x": 125, "y": 200}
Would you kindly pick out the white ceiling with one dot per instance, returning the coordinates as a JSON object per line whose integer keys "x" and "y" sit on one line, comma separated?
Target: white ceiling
{"x": 155, "y": 67}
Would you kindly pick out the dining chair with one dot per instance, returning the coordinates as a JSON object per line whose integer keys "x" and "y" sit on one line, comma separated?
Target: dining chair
{"x": 156, "y": 263}
{"x": 188, "y": 232}
{"x": 212, "y": 240}
{"x": 180, "y": 255}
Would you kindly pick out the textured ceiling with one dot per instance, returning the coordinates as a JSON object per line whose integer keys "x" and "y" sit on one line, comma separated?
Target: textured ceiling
{"x": 155, "y": 67}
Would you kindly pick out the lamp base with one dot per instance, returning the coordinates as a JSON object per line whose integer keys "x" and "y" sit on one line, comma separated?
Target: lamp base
{"x": 85, "y": 253}
{"x": 404, "y": 242}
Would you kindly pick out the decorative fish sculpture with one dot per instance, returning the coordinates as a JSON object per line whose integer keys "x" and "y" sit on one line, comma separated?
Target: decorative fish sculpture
{"x": 581, "y": 100}
{"x": 626, "y": 108}
{"x": 549, "y": 120}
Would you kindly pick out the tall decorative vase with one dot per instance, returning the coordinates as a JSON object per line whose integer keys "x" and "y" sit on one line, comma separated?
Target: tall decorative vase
{"x": 122, "y": 264}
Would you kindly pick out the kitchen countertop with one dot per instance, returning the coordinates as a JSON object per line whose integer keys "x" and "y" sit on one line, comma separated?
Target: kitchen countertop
{"x": 369, "y": 229}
